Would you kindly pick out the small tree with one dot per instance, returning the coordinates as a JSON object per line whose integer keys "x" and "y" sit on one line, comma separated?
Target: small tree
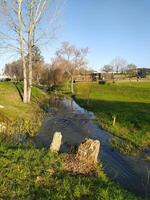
{"x": 14, "y": 69}
{"x": 119, "y": 64}
{"x": 73, "y": 58}
{"x": 37, "y": 64}
{"x": 108, "y": 75}
{"x": 108, "y": 68}
{"x": 131, "y": 71}
{"x": 57, "y": 71}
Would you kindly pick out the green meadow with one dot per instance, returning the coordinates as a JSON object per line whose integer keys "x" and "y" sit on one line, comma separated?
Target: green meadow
{"x": 17, "y": 116}
{"x": 11, "y": 100}
{"x": 29, "y": 173}
{"x": 128, "y": 102}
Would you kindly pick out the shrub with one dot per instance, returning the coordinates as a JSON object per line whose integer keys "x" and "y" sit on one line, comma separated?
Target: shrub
{"x": 102, "y": 82}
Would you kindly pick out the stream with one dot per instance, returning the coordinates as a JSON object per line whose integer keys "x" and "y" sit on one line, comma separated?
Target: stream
{"x": 76, "y": 124}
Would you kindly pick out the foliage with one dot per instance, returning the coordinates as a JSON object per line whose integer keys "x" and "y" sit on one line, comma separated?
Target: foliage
{"x": 102, "y": 82}
{"x": 14, "y": 70}
{"x": 131, "y": 70}
{"x": 125, "y": 146}
{"x": 37, "y": 64}
{"x": 24, "y": 126}
{"x": 29, "y": 173}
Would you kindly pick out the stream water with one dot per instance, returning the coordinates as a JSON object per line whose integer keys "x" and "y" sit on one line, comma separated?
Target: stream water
{"x": 76, "y": 124}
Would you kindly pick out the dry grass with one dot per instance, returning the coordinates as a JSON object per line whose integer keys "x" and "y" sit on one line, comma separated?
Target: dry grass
{"x": 74, "y": 166}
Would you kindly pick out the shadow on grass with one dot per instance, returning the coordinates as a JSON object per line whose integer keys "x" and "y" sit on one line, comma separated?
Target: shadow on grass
{"x": 19, "y": 88}
{"x": 135, "y": 113}
{"x": 132, "y": 118}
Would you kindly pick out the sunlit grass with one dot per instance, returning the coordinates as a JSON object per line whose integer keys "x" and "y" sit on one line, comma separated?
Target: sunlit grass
{"x": 16, "y": 116}
{"x": 129, "y": 102}
{"x": 29, "y": 173}
{"x": 14, "y": 108}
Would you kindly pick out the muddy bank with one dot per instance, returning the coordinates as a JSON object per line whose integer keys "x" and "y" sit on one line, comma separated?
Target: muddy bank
{"x": 75, "y": 124}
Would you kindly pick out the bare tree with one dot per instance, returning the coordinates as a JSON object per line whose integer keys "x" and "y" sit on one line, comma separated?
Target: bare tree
{"x": 131, "y": 71}
{"x": 73, "y": 58}
{"x": 119, "y": 64}
{"x": 53, "y": 73}
{"x": 14, "y": 70}
{"x": 108, "y": 68}
{"x": 23, "y": 30}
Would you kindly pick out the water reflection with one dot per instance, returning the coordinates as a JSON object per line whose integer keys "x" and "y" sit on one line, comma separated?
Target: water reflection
{"x": 75, "y": 124}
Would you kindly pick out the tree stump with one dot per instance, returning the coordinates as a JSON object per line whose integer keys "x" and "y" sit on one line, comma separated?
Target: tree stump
{"x": 88, "y": 151}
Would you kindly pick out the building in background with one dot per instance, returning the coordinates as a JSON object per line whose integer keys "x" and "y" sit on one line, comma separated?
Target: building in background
{"x": 143, "y": 72}
{"x": 93, "y": 76}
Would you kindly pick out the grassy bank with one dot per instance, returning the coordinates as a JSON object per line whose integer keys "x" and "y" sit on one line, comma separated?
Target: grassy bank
{"x": 128, "y": 102}
{"x": 14, "y": 114}
{"x": 11, "y": 100}
{"x": 29, "y": 173}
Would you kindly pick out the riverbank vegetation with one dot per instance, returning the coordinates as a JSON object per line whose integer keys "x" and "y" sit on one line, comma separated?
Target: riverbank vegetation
{"x": 17, "y": 116}
{"x": 30, "y": 173}
{"x": 129, "y": 103}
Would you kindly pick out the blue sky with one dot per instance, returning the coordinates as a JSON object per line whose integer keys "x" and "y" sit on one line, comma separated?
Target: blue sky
{"x": 109, "y": 28}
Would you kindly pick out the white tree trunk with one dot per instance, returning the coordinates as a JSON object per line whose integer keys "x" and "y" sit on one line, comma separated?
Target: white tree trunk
{"x": 30, "y": 34}
{"x": 25, "y": 95}
{"x": 29, "y": 67}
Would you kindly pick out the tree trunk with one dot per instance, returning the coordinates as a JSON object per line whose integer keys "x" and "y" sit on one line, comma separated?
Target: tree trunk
{"x": 25, "y": 95}
{"x": 29, "y": 67}
{"x": 30, "y": 52}
{"x": 72, "y": 86}
{"x": 37, "y": 79}
{"x": 25, "y": 86}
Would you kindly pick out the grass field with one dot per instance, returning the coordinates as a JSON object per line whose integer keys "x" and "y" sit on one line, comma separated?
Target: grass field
{"x": 17, "y": 116}
{"x": 129, "y": 102}
{"x": 11, "y": 100}
{"x": 29, "y": 173}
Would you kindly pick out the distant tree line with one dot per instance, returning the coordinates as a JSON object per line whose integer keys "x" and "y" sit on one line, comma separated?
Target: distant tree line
{"x": 120, "y": 66}
{"x": 68, "y": 61}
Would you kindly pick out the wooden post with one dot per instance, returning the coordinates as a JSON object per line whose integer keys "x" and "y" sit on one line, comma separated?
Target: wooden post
{"x": 114, "y": 120}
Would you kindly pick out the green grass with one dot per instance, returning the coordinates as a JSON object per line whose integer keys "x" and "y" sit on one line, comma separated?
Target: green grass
{"x": 29, "y": 173}
{"x": 14, "y": 108}
{"x": 129, "y": 102}
{"x": 17, "y": 116}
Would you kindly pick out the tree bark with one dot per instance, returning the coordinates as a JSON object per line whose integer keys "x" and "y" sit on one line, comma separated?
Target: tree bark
{"x": 29, "y": 67}
{"x": 25, "y": 95}
{"x": 72, "y": 86}
{"x": 30, "y": 31}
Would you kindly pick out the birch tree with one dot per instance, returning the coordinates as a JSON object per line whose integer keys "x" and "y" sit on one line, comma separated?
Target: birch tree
{"x": 23, "y": 28}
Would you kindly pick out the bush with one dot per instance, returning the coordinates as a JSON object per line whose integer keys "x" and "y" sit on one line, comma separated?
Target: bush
{"x": 7, "y": 79}
{"x": 102, "y": 82}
